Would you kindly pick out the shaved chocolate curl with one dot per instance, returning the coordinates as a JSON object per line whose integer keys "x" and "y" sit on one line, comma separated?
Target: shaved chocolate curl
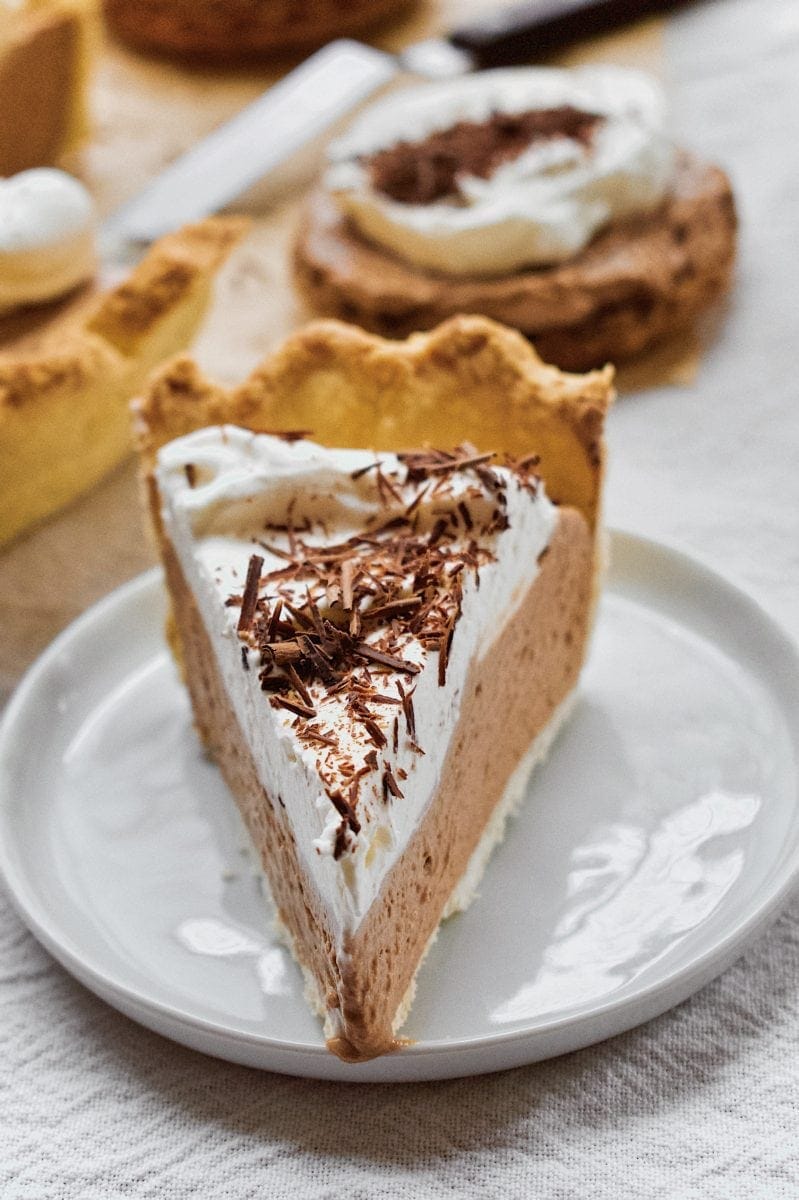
{"x": 250, "y": 597}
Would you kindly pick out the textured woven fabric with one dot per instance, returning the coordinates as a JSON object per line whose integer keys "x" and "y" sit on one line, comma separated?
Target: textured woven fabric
{"x": 699, "y": 1103}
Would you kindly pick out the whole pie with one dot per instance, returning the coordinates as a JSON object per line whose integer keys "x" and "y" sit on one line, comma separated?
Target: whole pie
{"x": 381, "y": 590}
{"x": 552, "y": 200}
{"x": 68, "y": 372}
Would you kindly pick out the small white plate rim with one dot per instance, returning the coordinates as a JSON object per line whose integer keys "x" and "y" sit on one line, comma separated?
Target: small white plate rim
{"x": 484, "y": 1052}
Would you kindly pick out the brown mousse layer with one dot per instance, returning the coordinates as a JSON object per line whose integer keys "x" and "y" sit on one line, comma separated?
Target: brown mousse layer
{"x": 428, "y": 170}
{"x": 509, "y": 697}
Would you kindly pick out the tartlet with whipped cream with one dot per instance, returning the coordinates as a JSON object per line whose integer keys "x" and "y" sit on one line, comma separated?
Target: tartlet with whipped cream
{"x": 552, "y": 200}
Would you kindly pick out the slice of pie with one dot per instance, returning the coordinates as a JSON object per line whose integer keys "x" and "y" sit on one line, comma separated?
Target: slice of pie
{"x": 379, "y": 645}
{"x": 68, "y": 374}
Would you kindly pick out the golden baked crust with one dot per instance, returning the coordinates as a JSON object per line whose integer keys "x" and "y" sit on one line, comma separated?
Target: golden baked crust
{"x": 211, "y": 30}
{"x": 468, "y": 380}
{"x": 64, "y": 419}
{"x": 46, "y": 48}
{"x": 638, "y": 281}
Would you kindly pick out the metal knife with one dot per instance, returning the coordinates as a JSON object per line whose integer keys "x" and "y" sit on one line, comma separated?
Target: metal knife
{"x": 328, "y": 85}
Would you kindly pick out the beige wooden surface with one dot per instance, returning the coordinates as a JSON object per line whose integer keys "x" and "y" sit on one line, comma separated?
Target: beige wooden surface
{"x": 145, "y": 113}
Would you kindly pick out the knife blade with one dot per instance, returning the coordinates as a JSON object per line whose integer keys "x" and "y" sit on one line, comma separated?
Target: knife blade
{"x": 311, "y": 98}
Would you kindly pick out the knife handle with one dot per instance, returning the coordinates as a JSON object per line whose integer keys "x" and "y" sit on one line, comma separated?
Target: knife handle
{"x": 537, "y": 27}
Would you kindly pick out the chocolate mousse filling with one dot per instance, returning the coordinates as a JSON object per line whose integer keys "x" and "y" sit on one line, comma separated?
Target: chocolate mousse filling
{"x": 429, "y": 170}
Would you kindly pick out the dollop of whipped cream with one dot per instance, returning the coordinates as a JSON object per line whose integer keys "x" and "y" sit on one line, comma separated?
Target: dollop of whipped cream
{"x": 540, "y": 206}
{"x": 47, "y": 222}
{"x": 227, "y": 494}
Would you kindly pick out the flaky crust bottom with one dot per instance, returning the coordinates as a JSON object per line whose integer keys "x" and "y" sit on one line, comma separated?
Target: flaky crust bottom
{"x": 637, "y": 282}
{"x": 508, "y": 700}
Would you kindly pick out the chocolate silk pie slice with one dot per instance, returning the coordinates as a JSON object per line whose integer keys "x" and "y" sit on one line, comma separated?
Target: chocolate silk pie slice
{"x": 381, "y": 641}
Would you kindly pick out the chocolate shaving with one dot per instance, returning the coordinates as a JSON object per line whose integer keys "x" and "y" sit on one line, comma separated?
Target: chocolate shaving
{"x": 460, "y": 464}
{"x": 466, "y": 516}
{"x": 274, "y": 620}
{"x": 250, "y": 597}
{"x": 316, "y": 657}
{"x": 386, "y": 660}
{"x": 270, "y": 548}
{"x": 390, "y": 785}
{"x": 299, "y": 686}
{"x": 349, "y": 570}
{"x": 295, "y": 706}
{"x": 444, "y": 644}
{"x": 299, "y": 615}
{"x": 438, "y": 531}
{"x": 364, "y": 470}
{"x": 417, "y": 500}
{"x": 374, "y": 731}
{"x": 345, "y": 809}
{"x": 407, "y": 708}
{"x": 191, "y": 473}
{"x": 340, "y": 844}
{"x": 282, "y": 653}
{"x": 393, "y": 608}
{"x": 315, "y": 734}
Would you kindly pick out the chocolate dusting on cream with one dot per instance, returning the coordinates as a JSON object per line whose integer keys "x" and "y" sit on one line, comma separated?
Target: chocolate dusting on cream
{"x": 429, "y": 170}
{"x": 341, "y": 617}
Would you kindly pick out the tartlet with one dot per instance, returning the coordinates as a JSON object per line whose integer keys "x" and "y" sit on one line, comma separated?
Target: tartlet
{"x": 574, "y": 221}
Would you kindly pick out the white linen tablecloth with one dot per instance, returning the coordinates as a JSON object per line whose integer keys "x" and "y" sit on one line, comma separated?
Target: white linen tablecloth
{"x": 699, "y": 1103}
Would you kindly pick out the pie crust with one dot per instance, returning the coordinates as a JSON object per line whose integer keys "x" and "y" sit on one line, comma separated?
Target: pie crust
{"x": 65, "y": 385}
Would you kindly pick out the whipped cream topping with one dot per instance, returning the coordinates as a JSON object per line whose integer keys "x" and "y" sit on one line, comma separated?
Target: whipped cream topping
{"x": 541, "y": 206}
{"x": 47, "y": 221}
{"x": 354, "y": 762}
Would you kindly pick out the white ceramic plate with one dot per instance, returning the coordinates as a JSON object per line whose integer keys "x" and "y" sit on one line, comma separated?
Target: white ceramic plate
{"x": 660, "y": 836}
